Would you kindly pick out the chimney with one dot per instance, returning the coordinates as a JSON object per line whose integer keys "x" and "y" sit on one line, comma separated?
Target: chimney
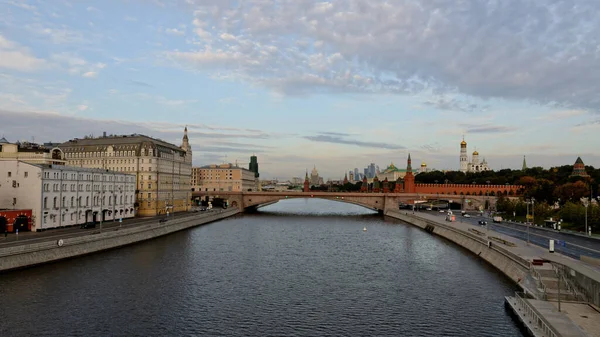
{"x": 104, "y": 134}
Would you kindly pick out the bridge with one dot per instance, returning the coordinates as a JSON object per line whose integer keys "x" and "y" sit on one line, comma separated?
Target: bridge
{"x": 376, "y": 201}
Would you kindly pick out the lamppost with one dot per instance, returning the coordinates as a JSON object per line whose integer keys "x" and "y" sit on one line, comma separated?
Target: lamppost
{"x": 586, "y": 203}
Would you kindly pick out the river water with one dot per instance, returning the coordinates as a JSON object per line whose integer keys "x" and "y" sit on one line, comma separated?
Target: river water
{"x": 296, "y": 268}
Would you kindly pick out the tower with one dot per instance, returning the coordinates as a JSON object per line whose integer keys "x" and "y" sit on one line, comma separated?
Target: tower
{"x": 253, "y": 166}
{"x": 464, "y": 158}
{"x": 306, "y": 183}
{"x": 409, "y": 178}
{"x": 475, "y": 160}
{"x": 524, "y": 164}
{"x": 185, "y": 144}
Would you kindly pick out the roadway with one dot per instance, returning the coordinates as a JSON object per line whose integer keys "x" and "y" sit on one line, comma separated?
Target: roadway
{"x": 68, "y": 232}
{"x": 572, "y": 245}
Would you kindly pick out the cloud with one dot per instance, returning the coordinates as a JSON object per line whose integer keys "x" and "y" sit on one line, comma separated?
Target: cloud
{"x": 339, "y": 134}
{"x": 487, "y": 128}
{"x": 82, "y": 107}
{"x": 16, "y": 57}
{"x": 22, "y": 5}
{"x": 130, "y": 19}
{"x": 141, "y": 83}
{"x": 174, "y": 31}
{"x": 454, "y": 104}
{"x": 90, "y": 74}
{"x": 328, "y": 138}
{"x": 475, "y": 48}
{"x": 57, "y": 35}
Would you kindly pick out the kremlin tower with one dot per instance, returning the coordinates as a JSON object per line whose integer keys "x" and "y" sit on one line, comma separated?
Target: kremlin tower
{"x": 409, "y": 178}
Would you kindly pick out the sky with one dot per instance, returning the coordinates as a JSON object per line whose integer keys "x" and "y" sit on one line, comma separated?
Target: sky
{"x": 301, "y": 83}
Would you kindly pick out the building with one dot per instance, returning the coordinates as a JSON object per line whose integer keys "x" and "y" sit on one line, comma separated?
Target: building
{"x": 392, "y": 173}
{"x": 579, "y": 169}
{"x": 315, "y": 179}
{"x": 12, "y": 220}
{"x": 524, "y": 164}
{"x": 60, "y": 195}
{"x": 224, "y": 178}
{"x": 474, "y": 165}
{"x": 163, "y": 170}
{"x": 30, "y": 152}
{"x": 423, "y": 167}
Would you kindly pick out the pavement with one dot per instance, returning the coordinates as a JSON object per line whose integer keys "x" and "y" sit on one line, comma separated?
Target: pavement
{"x": 32, "y": 237}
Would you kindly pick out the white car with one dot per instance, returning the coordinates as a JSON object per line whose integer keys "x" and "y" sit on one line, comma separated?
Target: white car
{"x": 442, "y": 211}
{"x": 429, "y": 208}
{"x": 467, "y": 216}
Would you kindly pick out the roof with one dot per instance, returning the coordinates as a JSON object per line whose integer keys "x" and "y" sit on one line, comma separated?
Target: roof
{"x": 393, "y": 168}
{"x": 4, "y": 141}
{"x": 120, "y": 140}
{"x": 75, "y": 168}
{"x": 579, "y": 161}
{"x": 229, "y": 166}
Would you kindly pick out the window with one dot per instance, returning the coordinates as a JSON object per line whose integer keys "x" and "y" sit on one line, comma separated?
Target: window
{"x": 149, "y": 195}
{"x": 72, "y": 201}
{"x": 26, "y": 174}
{"x": 46, "y": 202}
{"x": 9, "y": 174}
{"x": 14, "y": 201}
{"x": 55, "y": 203}
{"x": 63, "y": 202}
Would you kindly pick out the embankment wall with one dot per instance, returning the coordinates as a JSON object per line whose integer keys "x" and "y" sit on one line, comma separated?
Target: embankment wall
{"x": 26, "y": 255}
{"x": 512, "y": 265}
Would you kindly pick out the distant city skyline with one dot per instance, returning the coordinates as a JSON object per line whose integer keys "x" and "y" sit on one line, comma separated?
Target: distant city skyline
{"x": 300, "y": 84}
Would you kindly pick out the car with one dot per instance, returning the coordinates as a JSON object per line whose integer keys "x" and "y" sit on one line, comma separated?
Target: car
{"x": 466, "y": 215}
{"x": 429, "y": 208}
{"x": 88, "y": 225}
{"x": 442, "y": 211}
{"x": 482, "y": 222}
{"x": 162, "y": 220}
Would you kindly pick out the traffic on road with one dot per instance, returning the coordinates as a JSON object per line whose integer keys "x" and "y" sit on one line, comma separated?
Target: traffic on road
{"x": 565, "y": 243}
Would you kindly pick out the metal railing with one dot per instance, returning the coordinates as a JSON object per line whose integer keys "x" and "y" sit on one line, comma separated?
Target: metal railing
{"x": 570, "y": 284}
{"x": 538, "y": 278}
{"x": 534, "y": 317}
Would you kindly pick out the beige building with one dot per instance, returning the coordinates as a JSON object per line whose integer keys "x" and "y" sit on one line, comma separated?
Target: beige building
{"x": 163, "y": 170}
{"x": 392, "y": 173}
{"x": 30, "y": 153}
{"x": 60, "y": 195}
{"x": 223, "y": 178}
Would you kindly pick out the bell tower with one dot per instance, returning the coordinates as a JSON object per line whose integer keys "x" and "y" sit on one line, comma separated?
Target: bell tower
{"x": 464, "y": 158}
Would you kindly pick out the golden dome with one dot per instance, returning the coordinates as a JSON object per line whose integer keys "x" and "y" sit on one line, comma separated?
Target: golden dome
{"x": 423, "y": 164}
{"x": 463, "y": 142}
{"x": 475, "y": 153}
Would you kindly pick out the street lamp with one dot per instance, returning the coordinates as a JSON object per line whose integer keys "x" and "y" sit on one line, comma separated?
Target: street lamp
{"x": 586, "y": 203}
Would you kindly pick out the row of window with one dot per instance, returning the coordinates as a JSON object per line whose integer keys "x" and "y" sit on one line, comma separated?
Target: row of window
{"x": 25, "y": 174}
{"x": 79, "y": 188}
{"x": 97, "y": 201}
{"x": 84, "y": 176}
{"x": 81, "y": 215}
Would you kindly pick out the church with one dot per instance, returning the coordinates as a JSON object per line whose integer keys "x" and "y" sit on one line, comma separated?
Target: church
{"x": 474, "y": 165}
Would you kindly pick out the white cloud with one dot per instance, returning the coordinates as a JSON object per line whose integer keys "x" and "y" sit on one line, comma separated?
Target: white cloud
{"x": 474, "y": 48}
{"x": 90, "y": 74}
{"x": 174, "y": 31}
{"x": 16, "y": 57}
{"x": 82, "y": 107}
{"x": 21, "y": 4}
{"x": 76, "y": 65}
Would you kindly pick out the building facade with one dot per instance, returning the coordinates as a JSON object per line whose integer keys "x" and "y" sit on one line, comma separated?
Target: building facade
{"x": 60, "y": 195}
{"x": 392, "y": 173}
{"x": 163, "y": 170}
{"x": 315, "y": 179}
{"x": 224, "y": 178}
{"x": 474, "y": 165}
{"x": 30, "y": 153}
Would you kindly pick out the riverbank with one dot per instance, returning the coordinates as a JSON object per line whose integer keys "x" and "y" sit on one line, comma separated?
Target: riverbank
{"x": 54, "y": 249}
{"x": 514, "y": 258}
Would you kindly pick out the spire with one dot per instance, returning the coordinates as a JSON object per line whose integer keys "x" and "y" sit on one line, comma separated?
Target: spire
{"x": 409, "y": 164}
{"x": 186, "y": 142}
{"x": 306, "y": 176}
{"x": 524, "y": 164}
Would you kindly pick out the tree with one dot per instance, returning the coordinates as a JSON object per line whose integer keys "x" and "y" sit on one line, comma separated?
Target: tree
{"x": 572, "y": 191}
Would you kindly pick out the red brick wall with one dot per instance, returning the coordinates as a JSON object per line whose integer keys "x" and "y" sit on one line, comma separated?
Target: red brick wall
{"x": 464, "y": 188}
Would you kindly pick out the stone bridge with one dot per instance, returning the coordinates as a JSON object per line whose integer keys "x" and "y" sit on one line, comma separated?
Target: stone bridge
{"x": 375, "y": 201}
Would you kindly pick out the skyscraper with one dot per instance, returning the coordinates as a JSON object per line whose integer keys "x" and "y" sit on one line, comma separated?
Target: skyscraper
{"x": 254, "y": 166}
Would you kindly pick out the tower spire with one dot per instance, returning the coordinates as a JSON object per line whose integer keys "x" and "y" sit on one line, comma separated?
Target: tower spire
{"x": 524, "y": 164}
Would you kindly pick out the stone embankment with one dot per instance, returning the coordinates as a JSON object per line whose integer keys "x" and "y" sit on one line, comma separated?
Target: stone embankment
{"x": 29, "y": 254}
{"x": 512, "y": 265}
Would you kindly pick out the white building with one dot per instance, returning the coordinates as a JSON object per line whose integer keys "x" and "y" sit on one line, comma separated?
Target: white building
{"x": 62, "y": 196}
{"x": 474, "y": 165}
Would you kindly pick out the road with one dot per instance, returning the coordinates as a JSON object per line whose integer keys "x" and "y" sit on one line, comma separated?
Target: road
{"x": 572, "y": 245}
{"x": 32, "y": 237}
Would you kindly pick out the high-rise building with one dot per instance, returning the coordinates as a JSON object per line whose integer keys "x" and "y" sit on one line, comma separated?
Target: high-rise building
{"x": 163, "y": 170}
{"x": 254, "y": 166}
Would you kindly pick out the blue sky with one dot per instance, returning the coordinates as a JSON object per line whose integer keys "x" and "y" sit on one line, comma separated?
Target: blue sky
{"x": 335, "y": 84}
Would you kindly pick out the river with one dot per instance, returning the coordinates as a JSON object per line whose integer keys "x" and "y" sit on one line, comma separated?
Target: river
{"x": 296, "y": 268}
